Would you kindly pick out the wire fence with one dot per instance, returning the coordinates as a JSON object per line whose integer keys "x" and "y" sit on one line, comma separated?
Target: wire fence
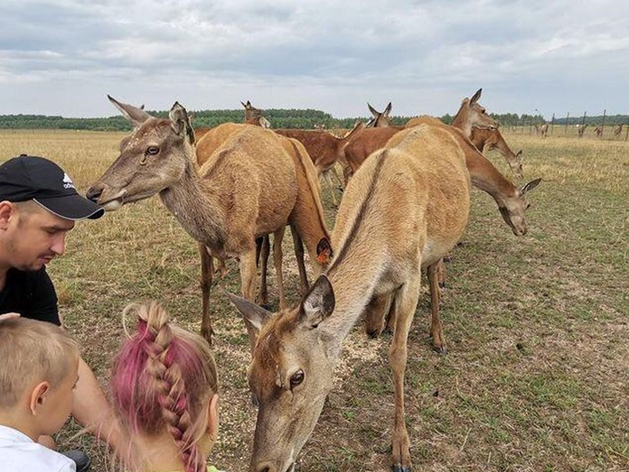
{"x": 599, "y": 127}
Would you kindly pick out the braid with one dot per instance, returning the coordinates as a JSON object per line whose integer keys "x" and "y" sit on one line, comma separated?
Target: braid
{"x": 163, "y": 399}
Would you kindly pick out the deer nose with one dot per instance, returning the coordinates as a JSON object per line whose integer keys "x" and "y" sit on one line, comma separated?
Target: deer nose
{"x": 94, "y": 192}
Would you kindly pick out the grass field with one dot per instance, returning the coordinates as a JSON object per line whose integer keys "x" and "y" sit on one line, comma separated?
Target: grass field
{"x": 537, "y": 373}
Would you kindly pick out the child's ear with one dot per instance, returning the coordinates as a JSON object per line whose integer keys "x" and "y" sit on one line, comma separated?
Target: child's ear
{"x": 212, "y": 416}
{"x": 38, "y": 397}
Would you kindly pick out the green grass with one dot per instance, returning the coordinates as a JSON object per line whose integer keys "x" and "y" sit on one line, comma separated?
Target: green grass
{"x": 535, "y": 378}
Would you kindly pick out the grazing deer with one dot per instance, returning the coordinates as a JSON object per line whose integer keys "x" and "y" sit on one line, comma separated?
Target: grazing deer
{"x": 253, "y": 116}
{"x": 492, "y": 139}
{"x": 598, "y": 131}
{"x": 404, "y": 209}
{"x": 471, "y": 114}
{"x": 379, "y": 120}
{"x": 618, "y": 130}
{"x": 581, "y": 129}
{"x": 249, "y": 187}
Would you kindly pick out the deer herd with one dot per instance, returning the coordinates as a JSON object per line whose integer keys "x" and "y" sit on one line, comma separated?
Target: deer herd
{"x": 405, "y": 205}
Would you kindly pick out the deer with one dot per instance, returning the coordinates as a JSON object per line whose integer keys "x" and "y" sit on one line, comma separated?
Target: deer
{"x": 404, "y": 209}
{"x": 618, "y": 130}
{"x": 581, "y": 129}
{"x": 471, "y": 114}
{"x": 543, "y": 130}
{"x": 249, "y": 187}
{"x": 492, "y": 139}
{"x": 253, "y": 116}
{"x": 379, "y": 119}
{"x": 324, "y": 149}
{"x": 598, "y": 131}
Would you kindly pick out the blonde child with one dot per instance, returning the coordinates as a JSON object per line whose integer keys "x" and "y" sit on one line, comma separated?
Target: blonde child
{"x": 164, "y": 391}
{"x": 39, "y": 371}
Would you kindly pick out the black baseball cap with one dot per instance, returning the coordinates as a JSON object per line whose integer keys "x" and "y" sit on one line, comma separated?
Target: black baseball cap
{"x": 35, "y": 178}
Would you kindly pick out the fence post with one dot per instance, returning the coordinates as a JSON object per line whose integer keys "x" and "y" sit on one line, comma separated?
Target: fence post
{"x": 603, "y": 123}
{"x": 552, "y": 123}
{"x": 565, "y": 132}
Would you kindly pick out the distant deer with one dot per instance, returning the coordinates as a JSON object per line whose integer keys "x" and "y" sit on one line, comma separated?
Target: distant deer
{"x": 581, "y": 129}
{"x": 543, "y": 130}
{"x": 249, "y": 187}
{"x": 598, "y": 131}
{"x": 379, "y": 119}
{"x": 489, "y": 139}
{"x": 618, "y": 130}
{"x": 253, "y": 116}
{"x": 404, "y": 209}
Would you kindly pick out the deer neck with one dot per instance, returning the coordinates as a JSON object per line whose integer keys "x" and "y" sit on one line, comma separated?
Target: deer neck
{"x": 197, "y": 208}
{"x": 463, "y": 121}
{"x": 486, "y": 177}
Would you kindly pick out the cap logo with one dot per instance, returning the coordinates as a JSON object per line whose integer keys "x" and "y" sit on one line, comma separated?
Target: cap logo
{"x": 67, "y": 182}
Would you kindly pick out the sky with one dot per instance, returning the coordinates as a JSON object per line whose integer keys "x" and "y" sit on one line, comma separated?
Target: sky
{"x": 62, "y": 57}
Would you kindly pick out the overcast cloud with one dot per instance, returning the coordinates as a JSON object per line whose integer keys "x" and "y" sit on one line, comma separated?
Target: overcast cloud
{"x": 61, "y": 57}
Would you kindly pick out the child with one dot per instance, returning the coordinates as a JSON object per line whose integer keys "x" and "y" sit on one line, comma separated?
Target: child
{"x": 39, "y": 370}
{"x": 164, "y": 389}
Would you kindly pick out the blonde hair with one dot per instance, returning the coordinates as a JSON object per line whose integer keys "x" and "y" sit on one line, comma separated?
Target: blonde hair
{"x": 32, "y": 351}
{"x": 162, "y": 380}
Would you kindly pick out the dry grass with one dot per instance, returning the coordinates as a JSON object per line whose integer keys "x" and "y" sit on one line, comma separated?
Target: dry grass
{"x": 536, "y": 374}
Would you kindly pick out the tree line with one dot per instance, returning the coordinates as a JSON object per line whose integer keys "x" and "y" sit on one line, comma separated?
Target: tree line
{"x": 279, "y": 118}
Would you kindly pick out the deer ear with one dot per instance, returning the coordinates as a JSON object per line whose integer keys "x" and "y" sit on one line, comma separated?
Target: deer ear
{"x": 530, "y": 186}
{"x": 519, "y": 154}
{"x": 135, "y": 115}
{"x": 180, "y": 121}
{"x": 476, "y": 96}
{"x": 318, "y": 304}
{"x": 372, "y": 110}
{"x": 387, "y": 110}
{"x": 254, "y": 315}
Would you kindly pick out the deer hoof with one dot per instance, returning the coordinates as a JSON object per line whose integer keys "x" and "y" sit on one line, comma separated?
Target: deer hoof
{"x": 400, "y": 468}
{"x": 441, "y": 350}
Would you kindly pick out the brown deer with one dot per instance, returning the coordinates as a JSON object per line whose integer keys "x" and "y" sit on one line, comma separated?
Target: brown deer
{"x": 598, "y": 131}
{"x": 379, "y": 119}
{"x": 618, "y": 130}
{"x": 404, "y": 209}
{"x": 490, "y": 139}
{"x": 543, "y": 130}
{"x": 253, "y": 116}
{"x": 324, "y": 149}
{"x": 249, "y": 187}
{"x": 471, "y": 114}
{"x": 581, "y": 129}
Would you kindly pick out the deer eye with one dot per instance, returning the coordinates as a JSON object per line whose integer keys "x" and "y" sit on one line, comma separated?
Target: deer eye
{"x": 152, "y": 150}
{"x": 296, "y": 378}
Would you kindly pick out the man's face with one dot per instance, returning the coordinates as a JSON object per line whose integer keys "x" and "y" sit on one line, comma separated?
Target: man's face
{"x": 34, "y": 237}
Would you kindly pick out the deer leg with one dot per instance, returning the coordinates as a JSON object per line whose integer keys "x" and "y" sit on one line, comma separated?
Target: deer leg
{"x": 248, "y": 286}
{"x": 404, "y": 306}
{"x": 436, "y": 331}
{"x": 336, "y": 175}
{"x": 263, "y": 248}
{"x": 277, "y": 259}
{"x": 221, "y": 268}
{"x": 441, "y": 273}
{"x": 207, "y": 272}
{"x": 375, "y": 314}
{"x": 299, "y": 255}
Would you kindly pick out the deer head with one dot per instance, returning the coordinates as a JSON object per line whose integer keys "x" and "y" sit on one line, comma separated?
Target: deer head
{"x": 290, "y": 374}
{"x": 513, "y": 208}
{"x": 473, "y": 114}
{"x": 379, "y": 120}
{"x": 151, "y": 159}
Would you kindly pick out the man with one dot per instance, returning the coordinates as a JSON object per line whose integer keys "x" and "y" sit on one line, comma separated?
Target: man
{"x": 38, "y": 206}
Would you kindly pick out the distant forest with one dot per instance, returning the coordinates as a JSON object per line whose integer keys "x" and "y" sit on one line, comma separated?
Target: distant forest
{"x": 279, "y": 118}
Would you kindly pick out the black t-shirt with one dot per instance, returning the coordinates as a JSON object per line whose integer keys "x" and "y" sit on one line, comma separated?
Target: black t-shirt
{"x": 31, "y": 294}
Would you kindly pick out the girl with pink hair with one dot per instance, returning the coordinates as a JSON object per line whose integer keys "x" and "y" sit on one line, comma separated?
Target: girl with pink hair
{"x": 164, "y": 387}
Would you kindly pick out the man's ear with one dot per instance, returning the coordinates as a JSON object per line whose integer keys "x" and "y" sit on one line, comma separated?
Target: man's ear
{"x": 7, "y": 209}
{"x": 38, "y": 397}
{"x": 212, "y": 416}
